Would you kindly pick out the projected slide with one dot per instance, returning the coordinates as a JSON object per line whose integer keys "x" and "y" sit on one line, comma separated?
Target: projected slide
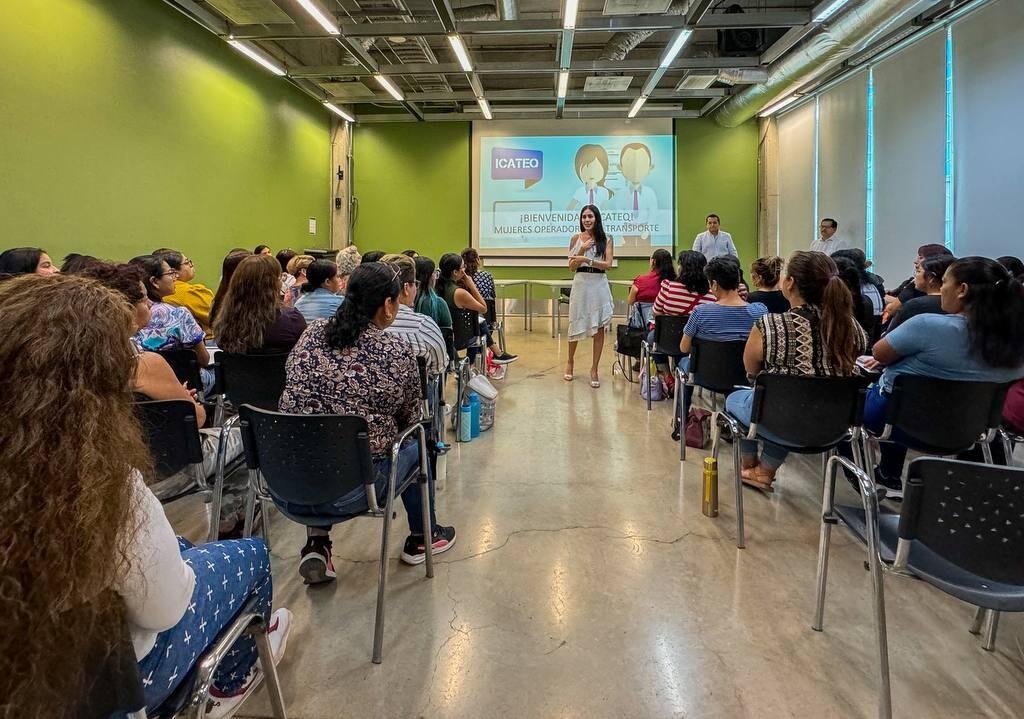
{"x": 531, "y": 189}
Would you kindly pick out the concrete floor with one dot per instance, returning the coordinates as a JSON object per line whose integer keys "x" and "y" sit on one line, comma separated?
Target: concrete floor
{"x": 586, "y": 583}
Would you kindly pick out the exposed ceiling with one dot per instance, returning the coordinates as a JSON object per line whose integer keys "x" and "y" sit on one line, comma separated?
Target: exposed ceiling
{"x": 517, "y": 48}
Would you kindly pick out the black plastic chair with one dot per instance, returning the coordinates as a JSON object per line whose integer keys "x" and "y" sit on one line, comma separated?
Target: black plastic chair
{"x": 810, "y": 415}
{"x": 312, "y": 460}
{"x": 960, "y": 529}
{"x": 172, "y": 434}
{"x": 449, "y": 343}
{"x": 255, "y": 379}
{"x": 465, "y": 327}
{"x": 668, "y": 333}
{"x": 496, "y": 325}
{"x": 714, "y": 366}
{"x": 185, "y": 366}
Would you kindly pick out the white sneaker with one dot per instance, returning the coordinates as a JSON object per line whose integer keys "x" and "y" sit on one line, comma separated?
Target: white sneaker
{"x": 225, "y": 707}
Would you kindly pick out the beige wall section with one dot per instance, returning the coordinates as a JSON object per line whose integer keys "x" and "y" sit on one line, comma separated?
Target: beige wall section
{"x": 341, "y": 150}
{"x": 768, "y": 187}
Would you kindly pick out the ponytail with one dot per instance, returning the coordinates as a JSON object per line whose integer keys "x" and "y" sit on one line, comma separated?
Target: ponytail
{"x": 993, "y": 306}
{"x": 818, "y": 281}
{"x": 370, "y": 285}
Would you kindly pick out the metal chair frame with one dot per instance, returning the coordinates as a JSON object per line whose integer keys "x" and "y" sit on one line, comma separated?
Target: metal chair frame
{"x": 190, "y": 436}
{"x": 680, "y": 408}
{"x": 664, "y": 327}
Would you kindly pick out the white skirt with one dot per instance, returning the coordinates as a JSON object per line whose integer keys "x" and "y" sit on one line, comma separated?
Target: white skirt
{"x": 590, "y": 305}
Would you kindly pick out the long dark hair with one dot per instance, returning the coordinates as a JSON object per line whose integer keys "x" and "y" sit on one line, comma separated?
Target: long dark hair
{"x": 1013, "y": 264}
{"x": 227, "y": 269}
{"x": 817, "y": 279}
{"x": 425, "y": 276}
{"x": 369, "y": 286}
{"x": 863, "y": 310}
{"x": 661, "y": 263}
{"x": 250, "y": 306}
{"x": 600, "y": 238}
{"x": 993, "y": 306}
{"x": 448, "y": 264}
{"x": 74, "y": 263}
{"x": 472, "y": 259}
{"x": 284, "y": 257}
{"x": 935, "y": 266}
{"x": 318, "y": 272}
{"x": 20, "y": 260}
{"x": 691, "y": 272}
{"x": 153, "y": 267}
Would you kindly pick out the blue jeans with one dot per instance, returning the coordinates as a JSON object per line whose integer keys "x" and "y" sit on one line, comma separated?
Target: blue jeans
{"x": 227, "y": 574}
{"x": 773, "y": 454}
{"x": 892, "y": 454}
{"x": 324, "y": 516}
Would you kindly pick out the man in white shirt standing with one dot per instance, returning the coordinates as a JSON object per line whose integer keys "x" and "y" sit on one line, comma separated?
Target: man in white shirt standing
{"x": 714, "y": 242}
{"x": 828, "y": 242}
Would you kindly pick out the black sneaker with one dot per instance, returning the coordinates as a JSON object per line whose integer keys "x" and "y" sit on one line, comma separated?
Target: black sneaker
{"x": 893, "y": 486}
{"x": 316, "y": 565}
{"x": 504, "y": 358}
{"x": 415, "y": 551}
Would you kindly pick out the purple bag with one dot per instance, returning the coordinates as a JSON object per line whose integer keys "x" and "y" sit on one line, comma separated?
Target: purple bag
{"x": 652, "y": 386}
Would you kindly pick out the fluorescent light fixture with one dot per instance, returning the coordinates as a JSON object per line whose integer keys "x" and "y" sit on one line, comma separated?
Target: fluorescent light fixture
{"x": 569, "y": 21}
{"x": 563, "y": 83}
{"x": 637, "y": 104}
{"x": 772, "y": 109}
{"x": 677, "y": 44}
{"x": 338, "y": 111}
{"x": 484, "y": 107}
{"x": 824, "y": 10}
{"x": 460, "y": 52}
{"x": 392, "y": 90}
{"x": 318, "y": 15}
{"x": 256, "y": 56}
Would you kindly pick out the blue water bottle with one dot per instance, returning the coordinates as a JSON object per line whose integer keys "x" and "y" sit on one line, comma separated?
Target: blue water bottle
{"x": 465, "y": 422}
{"x": 474, "y": 408}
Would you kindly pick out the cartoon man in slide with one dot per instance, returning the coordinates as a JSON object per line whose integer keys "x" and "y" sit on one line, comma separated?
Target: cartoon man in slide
{"x": 592, "y": 169}
{"x": 635, "y": 164}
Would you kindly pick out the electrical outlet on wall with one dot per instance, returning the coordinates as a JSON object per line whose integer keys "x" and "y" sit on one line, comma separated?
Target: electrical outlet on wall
{"x": 312, "y": 225}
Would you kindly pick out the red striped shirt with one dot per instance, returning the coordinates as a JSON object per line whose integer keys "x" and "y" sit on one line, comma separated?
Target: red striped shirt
{"x": 675, "y": 299}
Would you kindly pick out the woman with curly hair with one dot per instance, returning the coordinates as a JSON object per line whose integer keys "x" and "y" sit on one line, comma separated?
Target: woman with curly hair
{"x": 87, "y": 550}
{"x": 253, "y": 318}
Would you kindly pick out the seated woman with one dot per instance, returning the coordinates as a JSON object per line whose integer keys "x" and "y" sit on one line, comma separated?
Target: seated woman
{"x": 349, "y": 365}
{"x": 25, "y": 261}
{"x": 348, "y": 259}
{"x": 460, "y": 292}
{"x": 427, "y": 301}
{"x": 729, "y": 319}
{"x": 980, "y": 339}
{"x": 291, "y": 291}
{"x": 193, "y": 296}
{"x": 253, "y": 319}
{"x": 111, "y": 556}
{"x": 678, "y": 297}
{"x": 320, "y": 299}
{"x": 765, "y": 273}
{"x": 644, "y": 290}
{"x": 227, "y": 269}
{"x": 927, "y": 279}
{"x": 170, "y": 327}
{"x": 484, "y": 282}
{"x": 863, "y": 310}
{"x": 417, "y": 330}
{"x": 906, "y": 290}
{"x": 872, "y": 289}
{"x": 817, "y": 337}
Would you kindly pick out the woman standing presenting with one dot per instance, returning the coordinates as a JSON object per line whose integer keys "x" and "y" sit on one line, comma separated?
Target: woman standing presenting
{"x": 590, "y": 303}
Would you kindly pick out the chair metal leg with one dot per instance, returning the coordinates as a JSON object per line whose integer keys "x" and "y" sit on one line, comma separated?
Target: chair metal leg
{"x": 979, "y": 618}
{"x": 269, "y": 671}
{"x": 878, "y": 589}
{"x": 428, "y": 529}
{"x": 646, "y": 362}
{"x": 681, "y": 411}
{"x": 250, "y": 505}
{"x": 990, "y": 630}
{"x": 382, "y": 581}
{"x": 265, "y": 508}
{"x": 741, "y": 541}
{"x": 986, "y": 452}
{"x": 824, "y": 542}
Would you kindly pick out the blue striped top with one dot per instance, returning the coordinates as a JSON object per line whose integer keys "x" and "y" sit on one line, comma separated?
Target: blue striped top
{"x": 720, "y": 323}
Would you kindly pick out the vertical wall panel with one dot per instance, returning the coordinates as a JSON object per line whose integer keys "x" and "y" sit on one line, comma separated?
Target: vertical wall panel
{"x": 842, "y": 149}
{"x": 796, "y": 179}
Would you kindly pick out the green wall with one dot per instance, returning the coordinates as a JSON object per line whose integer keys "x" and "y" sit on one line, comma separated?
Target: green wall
{"x": 413, "y": 186}
{"x": 125, "y": 127}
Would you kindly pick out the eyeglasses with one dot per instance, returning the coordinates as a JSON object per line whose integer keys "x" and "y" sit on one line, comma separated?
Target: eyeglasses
{"x": 188, "y": 262}
{"x": 170, "y": 273}
{"x": 414, "y": 283}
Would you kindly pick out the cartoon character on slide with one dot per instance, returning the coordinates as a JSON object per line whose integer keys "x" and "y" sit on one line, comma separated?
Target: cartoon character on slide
{"x": 635, "y": 164}
{"x": 592, "y": 169}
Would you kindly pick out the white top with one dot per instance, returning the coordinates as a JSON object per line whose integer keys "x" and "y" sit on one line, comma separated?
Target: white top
{"x": 713, "y": 246}
{"x": 833, "y": 244}
{"x": 601, "y": 196}
{"x": 157, "y": 587}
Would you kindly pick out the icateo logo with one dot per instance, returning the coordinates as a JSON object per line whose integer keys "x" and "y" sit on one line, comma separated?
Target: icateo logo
{"x": 515, "y": 164}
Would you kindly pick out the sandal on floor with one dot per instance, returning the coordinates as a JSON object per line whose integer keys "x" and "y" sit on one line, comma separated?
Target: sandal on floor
{"x": 756, "y": 478}
{"x": 594, "y": 382}
{"x": 567, "y": 376}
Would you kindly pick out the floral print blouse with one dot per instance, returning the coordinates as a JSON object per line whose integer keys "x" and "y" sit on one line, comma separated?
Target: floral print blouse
{"x": 376, "y": 378}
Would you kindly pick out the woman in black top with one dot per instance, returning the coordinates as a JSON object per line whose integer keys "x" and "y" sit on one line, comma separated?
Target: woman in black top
{"x": 765, "y": 273}
{"x": 927, "y": 279}
{"x": 253, "y": 318}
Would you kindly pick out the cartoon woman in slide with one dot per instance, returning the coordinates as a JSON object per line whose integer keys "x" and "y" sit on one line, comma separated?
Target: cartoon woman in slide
{"x": 592, "y": 169}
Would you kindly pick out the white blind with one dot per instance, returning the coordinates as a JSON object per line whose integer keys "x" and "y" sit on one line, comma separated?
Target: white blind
{"x": 909, "y": 155}
{"x": 988, "y": 87}
{"x": 842, "y": 150}
{"x": 796, "y": 179}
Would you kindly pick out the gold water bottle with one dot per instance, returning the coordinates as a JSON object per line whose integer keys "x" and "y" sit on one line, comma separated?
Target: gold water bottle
{"x": 709, "y": 496}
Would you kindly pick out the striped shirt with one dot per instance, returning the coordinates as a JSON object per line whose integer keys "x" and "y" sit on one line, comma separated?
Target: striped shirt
{"x": 423, "y": 335}
{"x": 722, "y": 323}
{"x": 675, "y": 299}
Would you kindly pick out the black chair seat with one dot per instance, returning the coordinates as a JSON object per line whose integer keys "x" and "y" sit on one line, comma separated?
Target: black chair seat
{"x": 932, "y": 568}
{"x": 794, "y": 449}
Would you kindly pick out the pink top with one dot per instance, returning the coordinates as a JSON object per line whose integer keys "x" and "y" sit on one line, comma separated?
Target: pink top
{"x": 647, "y": 286}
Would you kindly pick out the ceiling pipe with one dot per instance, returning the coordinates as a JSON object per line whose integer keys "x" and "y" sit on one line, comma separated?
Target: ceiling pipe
{"x": 836, "y": 42}
{"x": 622, "y": 43}
{"x": 475, "y": 13}
{"x": 743, "y": 75}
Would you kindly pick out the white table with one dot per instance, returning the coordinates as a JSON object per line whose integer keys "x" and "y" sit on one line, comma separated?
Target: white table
{"x": 502, "y": 284}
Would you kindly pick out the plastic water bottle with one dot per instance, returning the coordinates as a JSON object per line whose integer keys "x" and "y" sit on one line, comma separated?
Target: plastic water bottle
{"x": 474, "y": 409}
{"x": 465, "y": 422}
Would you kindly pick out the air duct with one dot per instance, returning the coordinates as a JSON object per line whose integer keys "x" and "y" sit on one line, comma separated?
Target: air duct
{"x": 622, "y": 43}
{"x": 743, "y": 75}
{"x": 837, "y": 41}
{"x": 476, "y": 13}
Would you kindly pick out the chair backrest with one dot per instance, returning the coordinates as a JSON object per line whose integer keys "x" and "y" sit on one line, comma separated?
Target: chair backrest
{"x": 466, "y": 326}
{"x": 449, "y": 340}
{"x": 941, "y": 416}
{"x": 421, "y": 365}
{"x": 171, "y": 431}
{"x": 668, "y": 333}
{"x": 185, "y": 365}
{"x": 307, "y": 459}
{"x": 113, "y": 681}
{"x": 492, "y": 311}
{"x": 251, "y": 379}
{"x": 809, "y": 412}
{"x": 718, "y": 366}
{"x": 970, "y": 514}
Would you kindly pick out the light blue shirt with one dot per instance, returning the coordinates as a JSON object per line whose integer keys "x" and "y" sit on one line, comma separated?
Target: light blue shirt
{"x": 938, "y": 346}
{"x": 320, "y": 304}
{"x": 713, "y": 246}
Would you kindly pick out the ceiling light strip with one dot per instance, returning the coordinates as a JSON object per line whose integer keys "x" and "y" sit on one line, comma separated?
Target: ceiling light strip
{"x": 460, "y": 52}
{"x": 257, "y": 56}
{"x": 320, "y": 16}
{"x": 675, "y": 47}
{"x": 485, "y": 108}
{"x": 563, "y": 83}
{"x": 391, "y": 89}
{"x": 338, "y": 111}
{"x": 637, "y": 104}
{"x": 569, "y": 18}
